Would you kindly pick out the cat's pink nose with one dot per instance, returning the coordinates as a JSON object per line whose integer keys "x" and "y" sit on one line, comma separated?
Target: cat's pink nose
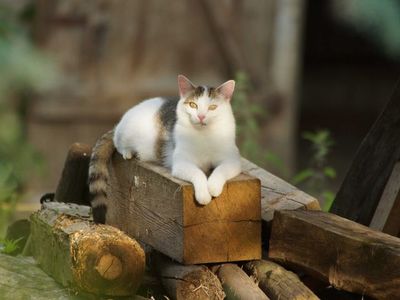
{"x": 201, "y": 117}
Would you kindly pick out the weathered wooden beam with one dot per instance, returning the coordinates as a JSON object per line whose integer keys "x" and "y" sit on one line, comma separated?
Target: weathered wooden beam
{"x": 149, "y": 204}
{"x": 387, "y": 215}
{"x": 73, "y": 187}
{"x": 187, "y": 282}
{"x": 236, "y": 283}
{"x": 365, "y": 181}
{"x": 278, "y": 283}
{"x": 94, "y": 258}
{"x": 348, "y": 255}
{"x": 277, "y": 194}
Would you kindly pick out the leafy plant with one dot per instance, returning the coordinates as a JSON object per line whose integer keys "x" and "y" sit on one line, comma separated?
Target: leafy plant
{"x": 316, "y": 177}
{"x": 247, "y": 114}
{"x": 9, "y": 246}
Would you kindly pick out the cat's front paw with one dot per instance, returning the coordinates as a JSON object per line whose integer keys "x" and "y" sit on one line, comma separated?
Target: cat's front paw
{"x": 215, "y": 185}
{"x": 203, "y": 197}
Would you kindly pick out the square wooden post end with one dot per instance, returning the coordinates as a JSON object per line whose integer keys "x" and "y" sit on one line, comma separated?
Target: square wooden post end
{"x": 149, "y": 204}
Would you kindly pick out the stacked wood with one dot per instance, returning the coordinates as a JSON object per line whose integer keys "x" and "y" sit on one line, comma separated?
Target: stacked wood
{"x": 348, "y": 255}
{"x": 236, "y": 283}
{"x": 278, "y": 283}
{"x": 187, "y": 282}
{"x": 98, "y": 259}
{"x": 164, "y": 214}
{"x": 72, "y": 187}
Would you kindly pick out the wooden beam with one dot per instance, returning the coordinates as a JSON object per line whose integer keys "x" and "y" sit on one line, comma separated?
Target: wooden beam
{"x": 277, "y": 194}
{"x": 348, "y": 255}
{"x": 365, "y": 181}
{"x": 94, "y": 258}
{"x": 387, "y": 215}
{"x": 148, "y": 203}
{"x": 278, "y": 283}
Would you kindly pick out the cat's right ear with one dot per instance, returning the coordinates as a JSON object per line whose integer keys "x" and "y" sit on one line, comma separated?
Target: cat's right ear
{"x": 185, "y": 85}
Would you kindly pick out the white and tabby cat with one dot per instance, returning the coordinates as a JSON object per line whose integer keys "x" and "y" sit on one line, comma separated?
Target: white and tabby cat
{"x": 190, "y": 135}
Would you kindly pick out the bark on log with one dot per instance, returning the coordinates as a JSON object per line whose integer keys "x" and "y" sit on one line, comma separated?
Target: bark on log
{"x": 348, "y": 255}
{"x": 278, "y": 283}
{"x": 236, "y": 283}
{"x": 73, "y": 187}
{"x": 98, "y": 259}
{"x": 187, "y": 282}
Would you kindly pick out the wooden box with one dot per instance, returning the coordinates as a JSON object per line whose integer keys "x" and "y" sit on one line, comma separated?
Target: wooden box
{"x": 149, "y": 204}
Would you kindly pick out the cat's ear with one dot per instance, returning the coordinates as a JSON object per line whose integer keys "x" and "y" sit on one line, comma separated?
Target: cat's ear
{"x": 185, "y": 85}
{"x": 226, "y": 89}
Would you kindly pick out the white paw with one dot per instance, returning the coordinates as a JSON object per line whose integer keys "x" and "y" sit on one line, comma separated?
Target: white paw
{"x": 215, "y": 185}
{"x": 127, "y": 155}
{"x": 203, "y": 197}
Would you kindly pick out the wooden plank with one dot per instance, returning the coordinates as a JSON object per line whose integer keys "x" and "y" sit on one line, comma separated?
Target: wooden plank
{"x": 94, "y": 258}
{"x": 149, "y": 204}
{"x": 278, "y": 283}
{"x": 365, "y": 181}
{"x": 387, "y": 215}
{"x": 277, "y": 194}
{"x": 348, "y": 255}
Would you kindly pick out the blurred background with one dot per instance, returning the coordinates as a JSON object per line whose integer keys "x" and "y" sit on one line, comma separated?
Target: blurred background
{"x": 312, "y": 76}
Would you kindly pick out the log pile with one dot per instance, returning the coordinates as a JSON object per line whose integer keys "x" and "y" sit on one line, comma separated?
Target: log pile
{"x": 307, "y": 251}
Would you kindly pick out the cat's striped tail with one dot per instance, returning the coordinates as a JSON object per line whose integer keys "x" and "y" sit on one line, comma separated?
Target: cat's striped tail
{"x": 99, "y": 176}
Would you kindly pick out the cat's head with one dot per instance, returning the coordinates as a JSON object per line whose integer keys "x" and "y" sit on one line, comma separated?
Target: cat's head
{"x": 204, "y": 105}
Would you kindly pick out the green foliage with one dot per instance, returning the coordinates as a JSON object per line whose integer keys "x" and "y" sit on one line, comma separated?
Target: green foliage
{"x": 316, "y": 177}
{"x": 23, "y": 70}
{"x": 9, "y": 246}
{"x": 247, "y": 114}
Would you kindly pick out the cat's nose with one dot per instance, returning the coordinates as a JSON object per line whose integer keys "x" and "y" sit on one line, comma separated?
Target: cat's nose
{"x": 201, "y": 117}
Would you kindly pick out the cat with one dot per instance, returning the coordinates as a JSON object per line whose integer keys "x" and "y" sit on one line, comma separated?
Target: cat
{"x": 190, "y": 135}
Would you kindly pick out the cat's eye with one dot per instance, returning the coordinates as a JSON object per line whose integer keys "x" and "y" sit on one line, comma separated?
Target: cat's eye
{"x": 212, "y": 107}
{"x": 192, "y": 105}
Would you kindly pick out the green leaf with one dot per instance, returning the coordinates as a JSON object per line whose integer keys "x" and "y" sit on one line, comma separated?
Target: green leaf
{"x": 329, "y": 172}
{"x": 302, "y": 176}
{"x": 328, "y": 198}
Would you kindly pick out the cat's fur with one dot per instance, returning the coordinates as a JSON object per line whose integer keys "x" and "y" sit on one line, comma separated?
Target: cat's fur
{"x": 189, "y": 139}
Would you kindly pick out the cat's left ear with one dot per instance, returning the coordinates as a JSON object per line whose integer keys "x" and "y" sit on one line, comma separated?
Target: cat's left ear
{"x": 226, "y": 89}
{"x": 185, "y": 85}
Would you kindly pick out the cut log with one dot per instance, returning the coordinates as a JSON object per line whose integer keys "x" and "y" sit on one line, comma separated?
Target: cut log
{"x": 146, "y": 202}
{"x": 73, "y": 187}
{"x": 348, "y": 255}
{"x": 187, "y": 282}
{"x": 98, "y": 259}
{"x": 278, "y": 283}
{"x": 236, "y": 283}
{"x": 277, "y": 194}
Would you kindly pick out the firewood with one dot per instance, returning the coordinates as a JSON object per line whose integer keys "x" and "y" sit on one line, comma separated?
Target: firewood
{"x": 187, "y": 281}
{"x": 278, "y": 283}
{"x": 164, "y": 214}
{"x": 98, "y": 259}
{"x": 348, "y": 255}
{"x": 236, "y": 283}
{"x": 73, "y": 187}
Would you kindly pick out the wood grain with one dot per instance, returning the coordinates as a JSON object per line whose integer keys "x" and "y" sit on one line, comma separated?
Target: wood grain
{"x": 348, "y": 255}
{"x": 149, "y": 204}
{"x": 94, "y": 258}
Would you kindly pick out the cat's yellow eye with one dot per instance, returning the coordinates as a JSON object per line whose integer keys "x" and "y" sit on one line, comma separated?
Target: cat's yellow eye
{"x": 192, "y": 105}
{"x": 212, "y": 107}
